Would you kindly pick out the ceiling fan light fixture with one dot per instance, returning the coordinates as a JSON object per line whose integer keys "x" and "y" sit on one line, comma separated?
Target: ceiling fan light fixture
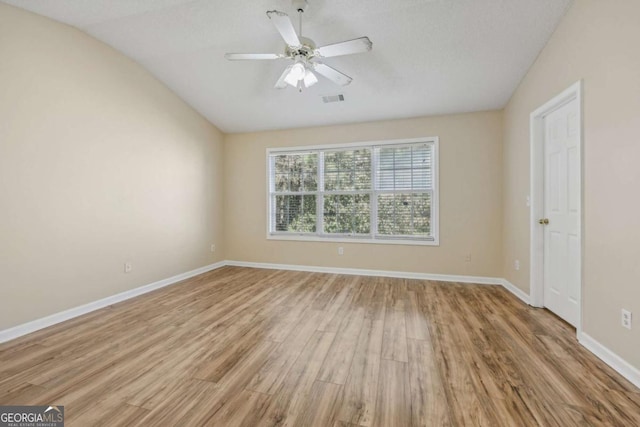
{"x": 290, "y": 80}
{"x": 310, "y": 79}
{"x": 298, "y": 71}
{"x": 296, "y": 74}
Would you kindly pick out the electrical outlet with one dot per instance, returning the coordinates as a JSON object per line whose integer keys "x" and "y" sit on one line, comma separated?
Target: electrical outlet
{"x": 213, "y": 248}
{"x": 467, "y": 258}
{"x": 516, "y": 264}
{"x": 340, "y": 250}
{"x": 127, "y": 267}
{"x": 626, "y": 319}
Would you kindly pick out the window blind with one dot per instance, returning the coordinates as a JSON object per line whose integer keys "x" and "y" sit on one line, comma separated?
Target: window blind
{"x": 346, "y": 196}
{"x": 404, "y": 190}
{"x": 294, "y": 186}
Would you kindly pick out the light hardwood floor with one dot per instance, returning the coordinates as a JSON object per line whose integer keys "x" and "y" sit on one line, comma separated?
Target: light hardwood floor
{"x": 241, "y": 346}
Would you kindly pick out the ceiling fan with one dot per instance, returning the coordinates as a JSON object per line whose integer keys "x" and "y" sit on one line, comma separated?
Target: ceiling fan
{"x": 306, "y": 57}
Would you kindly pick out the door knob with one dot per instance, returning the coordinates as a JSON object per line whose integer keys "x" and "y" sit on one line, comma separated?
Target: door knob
{"x": 544, "y": 221}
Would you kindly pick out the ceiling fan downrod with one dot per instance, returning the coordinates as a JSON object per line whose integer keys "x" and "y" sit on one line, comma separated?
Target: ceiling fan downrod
{"x": 300, "y": 12}
{"x": 299, "y": 6}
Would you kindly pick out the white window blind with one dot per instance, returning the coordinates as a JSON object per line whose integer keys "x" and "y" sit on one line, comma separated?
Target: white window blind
{"x": 379, "y": 192}
{"x": 294, "y": 189}
{"x": 404, "y": 190}
{"x": 347, "y": 192}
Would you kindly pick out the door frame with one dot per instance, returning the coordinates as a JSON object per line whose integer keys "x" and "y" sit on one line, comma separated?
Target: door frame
{"x": 536, "y": 145}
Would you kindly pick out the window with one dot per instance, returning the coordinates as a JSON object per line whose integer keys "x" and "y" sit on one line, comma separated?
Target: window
{"x": 378, "y": 192}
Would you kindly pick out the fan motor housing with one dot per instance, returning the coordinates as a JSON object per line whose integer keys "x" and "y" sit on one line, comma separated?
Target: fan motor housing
{"x": 306, "y": 50}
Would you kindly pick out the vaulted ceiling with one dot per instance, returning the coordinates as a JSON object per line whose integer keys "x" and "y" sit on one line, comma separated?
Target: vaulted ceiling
{"x": 428, "y": 57}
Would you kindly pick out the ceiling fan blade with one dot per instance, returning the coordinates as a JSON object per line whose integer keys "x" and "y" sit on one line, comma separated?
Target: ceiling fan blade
{"x": 252, "y": 56}
{"x": 285, "y": 27}
{"x": 282, "y": 83}
{"x": 363, "y": 44}
{"x": 332, "y": 74}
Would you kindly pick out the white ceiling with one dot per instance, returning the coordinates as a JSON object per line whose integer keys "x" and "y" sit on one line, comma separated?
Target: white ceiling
{"x": 428, "y": 57}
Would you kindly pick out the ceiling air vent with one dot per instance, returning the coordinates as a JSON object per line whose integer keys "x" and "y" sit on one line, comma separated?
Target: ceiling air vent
{"x": 333, "y": 98}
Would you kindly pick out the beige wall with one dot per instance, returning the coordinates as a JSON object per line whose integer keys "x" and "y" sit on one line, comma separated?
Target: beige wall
{"x": 470, "y": 197}
{"x": 598, "y": 42}
{"x": 99, "y": 164}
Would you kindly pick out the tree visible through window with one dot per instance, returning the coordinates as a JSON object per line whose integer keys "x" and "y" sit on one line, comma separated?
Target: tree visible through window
{"x": 382, "y": 192}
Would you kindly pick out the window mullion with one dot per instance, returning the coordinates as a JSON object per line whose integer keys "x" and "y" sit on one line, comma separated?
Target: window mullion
{"x": 431, "y": 216}
{"x": 272, "y": 184}
{"x": 352, "y": 172}
{"x": 413, "y": 225}
{"x": 373, "y": 199}
{"x": 320, "y": 196}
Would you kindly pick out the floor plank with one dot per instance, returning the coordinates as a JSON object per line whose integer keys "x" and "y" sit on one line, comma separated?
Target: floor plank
{"x": 273, "y": 372}
{"x": 428, "y": 400}
{"x": 322, "y": 405}
{"x": 361, "y": 387}
{"x": 338, "y": 361}
{"x": 393, "y": 405}
{"x": 394, "y": 342}
{"x": 293, "y": 395}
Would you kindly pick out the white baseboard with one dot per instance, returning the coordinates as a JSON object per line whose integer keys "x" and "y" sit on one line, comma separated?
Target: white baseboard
{"x": 620, "y": 365}
{"x": 27, "y": 328}
{"x": 378, "y": 273}
{"x": 516, "y": 291}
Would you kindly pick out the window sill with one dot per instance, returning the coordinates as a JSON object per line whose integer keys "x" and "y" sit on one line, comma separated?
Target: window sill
{"x": 303, "y": 238}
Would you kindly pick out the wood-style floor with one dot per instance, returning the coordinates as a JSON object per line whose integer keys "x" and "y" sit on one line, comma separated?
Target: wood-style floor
{"x": 241, "y": 346}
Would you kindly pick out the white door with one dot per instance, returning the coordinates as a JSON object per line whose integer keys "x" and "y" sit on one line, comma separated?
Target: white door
{"x": 561, "y": 208}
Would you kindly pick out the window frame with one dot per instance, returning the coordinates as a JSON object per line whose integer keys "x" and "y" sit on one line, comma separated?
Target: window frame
{"x": 371, "y": 238}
